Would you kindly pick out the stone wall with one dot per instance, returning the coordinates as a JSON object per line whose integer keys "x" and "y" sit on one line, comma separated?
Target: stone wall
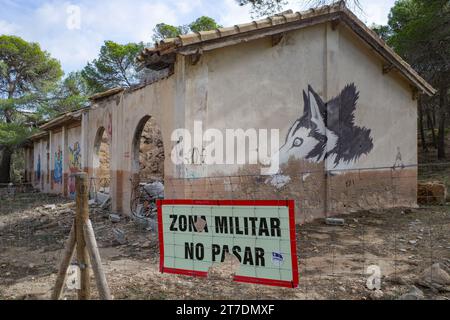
{"x": 105, "y": 159}
{"x": 151, "y": 154}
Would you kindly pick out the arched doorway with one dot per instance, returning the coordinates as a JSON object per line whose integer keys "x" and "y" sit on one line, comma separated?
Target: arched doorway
{"x": 101, "y": 166}
{"x": 148, "y": 170}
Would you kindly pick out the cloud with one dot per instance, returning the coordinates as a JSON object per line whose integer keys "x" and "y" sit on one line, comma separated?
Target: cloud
{"x": 186, "y": 7}
{"x": 8, "y": 28}
{"x": 123, "y": 21}
{"x": 376, "y": 11}
{"x": 118, "y": 20}
{"x": 232, "y": 14}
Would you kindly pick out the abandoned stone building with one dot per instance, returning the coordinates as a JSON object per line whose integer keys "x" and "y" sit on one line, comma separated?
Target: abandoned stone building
{"x": 344, "y": 103}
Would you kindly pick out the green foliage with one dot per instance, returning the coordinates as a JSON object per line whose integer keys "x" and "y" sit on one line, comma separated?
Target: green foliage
{"x": 419, "y": 30}
{"x": 115, "y": 67}
{"x": 166, "y": 31}
{"x": 25, "y": 68}
{"x": 264, "y": 7}
{"x": 27, "y": 77}
{"x": 71, "y": 94}
{"x": 383, "y": 31}
{"x": 204, "y": 24}
{"x": 269, "y": 7}
{"x": 14, "y": 134}
{"x": 17, "y": 166}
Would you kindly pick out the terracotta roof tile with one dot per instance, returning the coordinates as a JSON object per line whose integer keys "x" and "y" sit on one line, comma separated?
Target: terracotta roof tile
{"x": 209, "y": 35}
{"x": 188, "y": 39}
{"x": 284, "y": 21}
{"x": 224, "y": 32}
{"x": 246, "y": 27}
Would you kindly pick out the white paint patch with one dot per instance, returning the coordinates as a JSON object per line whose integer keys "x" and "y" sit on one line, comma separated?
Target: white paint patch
{"x": 306, "y": 176}
{"x": 278, "y": 181}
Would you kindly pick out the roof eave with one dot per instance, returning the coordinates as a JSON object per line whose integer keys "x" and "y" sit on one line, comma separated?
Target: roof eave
{"x": 38, "y": 136}
{"x": 164, "y": 53}
{"x": 60, "y": 121}
{"x": 386, "y": 52}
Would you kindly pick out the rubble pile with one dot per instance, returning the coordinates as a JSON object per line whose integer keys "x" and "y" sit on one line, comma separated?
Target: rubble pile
{"x": 151, "y": 153}
{"x": 432, "y": 193}
{"x": 145, "y": 213}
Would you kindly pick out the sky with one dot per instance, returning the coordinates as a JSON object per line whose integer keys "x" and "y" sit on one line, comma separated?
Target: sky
{"x": 73, "y": 31}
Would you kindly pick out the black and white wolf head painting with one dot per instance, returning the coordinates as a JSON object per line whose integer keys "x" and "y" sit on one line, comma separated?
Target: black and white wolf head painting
{"x": 327, "y": 132}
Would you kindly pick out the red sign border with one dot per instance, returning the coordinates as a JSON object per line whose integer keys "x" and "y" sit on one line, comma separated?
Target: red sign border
{"x": 251, "y": 203}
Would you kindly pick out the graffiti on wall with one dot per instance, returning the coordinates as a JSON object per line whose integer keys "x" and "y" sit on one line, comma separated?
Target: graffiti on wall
{"x": 74, "y": 165}
{"x": 38, "y": 168}
{"x": 327, "y": 132}
{"x": 58, "y": 170}
{"x": 398, "y": 160}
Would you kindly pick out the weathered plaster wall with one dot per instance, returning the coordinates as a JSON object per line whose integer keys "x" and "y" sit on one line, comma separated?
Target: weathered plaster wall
{"x": 57, "y": 161}
{"x": 386, "y": 103}
{"x": 261, "y": 86}
{"x": 73, "y": 163}
{"x": 256, "y": 85}
{"x": 387, "y": 107}
{"x": 122, "y": 115}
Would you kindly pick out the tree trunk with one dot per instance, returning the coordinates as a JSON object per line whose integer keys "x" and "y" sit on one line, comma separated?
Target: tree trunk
{"x": 442, "y": 123}
{"x": 422, "y": 131}
{"x": 5, "y": 165}
{"x": 431, "y": 127}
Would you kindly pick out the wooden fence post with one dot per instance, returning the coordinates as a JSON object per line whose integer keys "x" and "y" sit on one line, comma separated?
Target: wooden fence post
{"x": 82, "y": 238}
{"x": 100, "y": 278}
{"x": 67, "y": 258}
{"x": 82, "y": 217}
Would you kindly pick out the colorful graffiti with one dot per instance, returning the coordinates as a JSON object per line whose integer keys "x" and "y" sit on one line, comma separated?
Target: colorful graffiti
{"x": 75, "y": 156}
{"x": 74, "y": 165}
{"x": 38, "y": 168}
{"x": 58, "y": 169}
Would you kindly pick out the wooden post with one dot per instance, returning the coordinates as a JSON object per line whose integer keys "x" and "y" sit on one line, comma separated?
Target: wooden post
{"x": 82, "y": 217}
{"x": 67, "y": 258}
{"x": 100, "y": 278}
{"x": 82, "y": 238}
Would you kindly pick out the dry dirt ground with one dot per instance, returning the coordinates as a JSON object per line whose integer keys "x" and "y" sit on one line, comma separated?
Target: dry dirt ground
{"x": 333, "y": 261}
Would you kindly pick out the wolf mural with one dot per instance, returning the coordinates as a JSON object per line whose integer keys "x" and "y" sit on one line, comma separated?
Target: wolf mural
{"x": 327, "y": 132}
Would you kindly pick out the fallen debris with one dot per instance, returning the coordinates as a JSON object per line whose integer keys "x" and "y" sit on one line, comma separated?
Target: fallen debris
{"x": 335, "y": 222}
{"x": 432, "y": 193}
{"x": 149, "y": 224}
{"x": 115, "y": 218}
{"x": 377, "y": 295}
{"x": 155, "y": 190}
{"x": 435, "y": 275}
{"x": 31, "y": 238}
{"x": 413, "y": 294}
{"x": 119, "y": 236}
{"x": 106, "y": 204}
